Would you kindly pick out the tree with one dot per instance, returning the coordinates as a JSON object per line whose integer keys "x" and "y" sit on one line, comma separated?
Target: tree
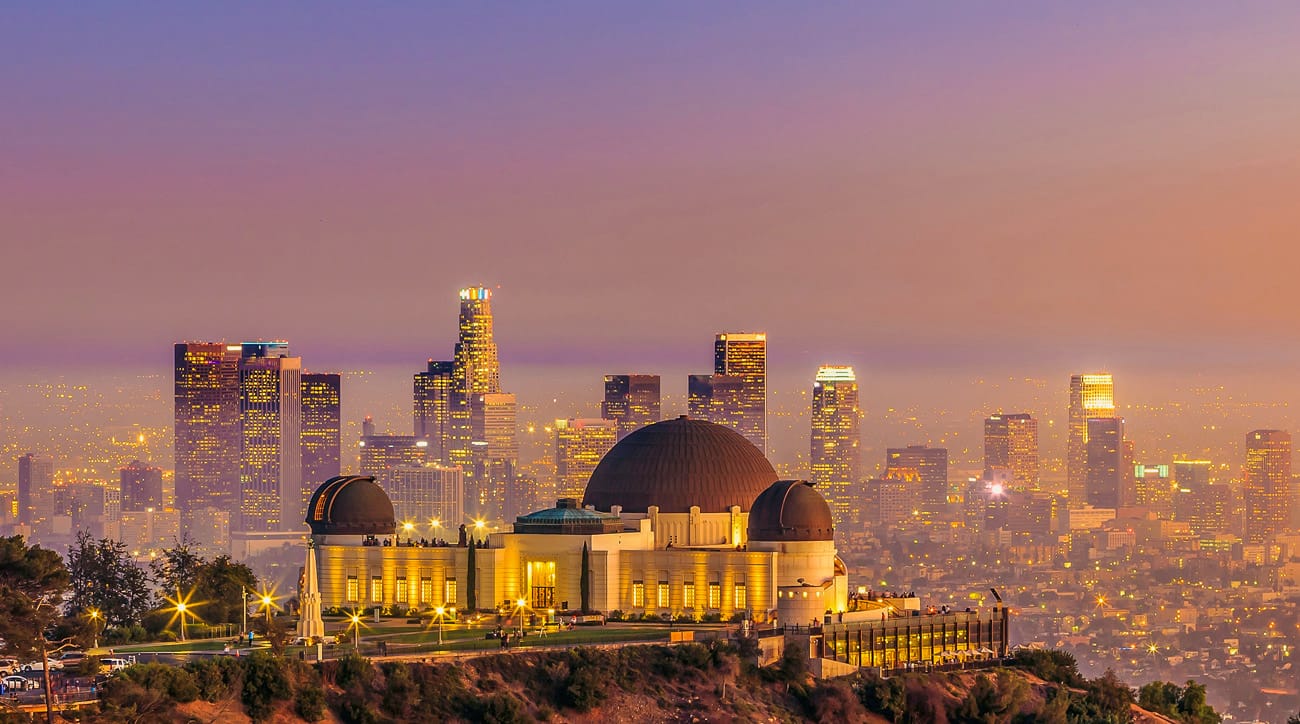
{"x": 471, "y": 579}
{"x": 177, "y": 569}
{"x": 584, "y": 579}
{"x": 275, "y": 632}
{"x": 220, "y": 584}
{"x": 105, "y": 579}
{"x": 32, "y": 583}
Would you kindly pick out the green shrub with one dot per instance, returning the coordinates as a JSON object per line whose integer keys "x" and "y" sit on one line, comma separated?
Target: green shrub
{"x": 502, "y": 709}
{"x": 1058, "y": 667}
{"x": 216, "y": 676}
{"x": 264, "y": 684}
{"x": 309, "y": 703}
{"x": 170, "y": 681}
{"x": 586, "y": 688}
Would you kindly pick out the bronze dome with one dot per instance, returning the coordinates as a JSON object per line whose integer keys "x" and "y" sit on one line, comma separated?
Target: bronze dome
{"x": 791, "y": 510}
{"x": 676, "y": 464}
{"x": 351, "y": 505}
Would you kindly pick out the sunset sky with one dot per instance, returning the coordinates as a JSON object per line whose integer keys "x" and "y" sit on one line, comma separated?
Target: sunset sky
{"x": 941, "y": 185}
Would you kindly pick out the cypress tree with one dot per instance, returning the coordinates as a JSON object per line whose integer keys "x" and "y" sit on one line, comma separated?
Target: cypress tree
{"x": 584, "y": 580}
{"x": 471, "y": 579}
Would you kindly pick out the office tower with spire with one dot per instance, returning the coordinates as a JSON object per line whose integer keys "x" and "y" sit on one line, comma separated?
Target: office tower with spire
{"x": 433, "y": 404}
{"x": 320, "y": 427}
{"x": 1267, "y": 487}
{"x": 632, "y": 401}
{"x": 744, "y": 355}
{"x": 141, "y": 486}
{"x": 35, "y": 489}
{"x": 207, "y": 426}
{"x": 1091, "y": 395}
{"x": 835, "y": 436}
{"x": 928, "y": 467}
{"x": 1011, "y": 444}
{"x": 273, "y": 496}
{"x": 1105, "y": 462}
{"x": 579, "y": 446}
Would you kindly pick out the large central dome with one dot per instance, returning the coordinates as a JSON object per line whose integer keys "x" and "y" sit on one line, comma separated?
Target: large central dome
{"x": 676, "y": 464}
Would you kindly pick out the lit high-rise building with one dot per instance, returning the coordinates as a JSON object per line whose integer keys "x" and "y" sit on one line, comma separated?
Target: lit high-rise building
{"x": 835, "y": 437}
{"x": 320, "y": 427}
{"x": 1104, "y": 455}
{"x": 716, "y": 398}
{"x": 1091, "y": 395}
{"x": 141, "y": 486}
{"x": 428, "y": 496}
{"x": 433, "y": 405}
{"x": 35, "y": 489}
{"x": 273, "y": 496}
{"x": 207, "y": 424}
{"x": 744, "y": 355}
{"x": 930, "y": 465}
{"x": 632, "y": 401}
{"x": 579, "y": 446}
{"x": 1011, "y": 444}
{"x": 1201, "y": 504}
{"x": 1153, "y": 488}
{"x": 476, "y": 370}
{"x": 1267, "y": 486}
{"x": 381, "y": 454}
{"x": 494, "y": 455}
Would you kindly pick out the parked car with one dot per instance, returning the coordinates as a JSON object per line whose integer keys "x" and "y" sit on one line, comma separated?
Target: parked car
{"x": 113, "y": 664}
{"x": 50, "y": 664}
{"x": 20, "y": 683}
{"x": 9, "y": 666}
{"x": 71, "y": 658}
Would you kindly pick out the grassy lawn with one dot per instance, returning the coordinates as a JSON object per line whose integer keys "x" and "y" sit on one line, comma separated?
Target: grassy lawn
{"x": 205, "y": 645}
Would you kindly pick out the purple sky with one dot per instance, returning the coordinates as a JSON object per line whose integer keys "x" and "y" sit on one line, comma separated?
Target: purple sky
{"x": 901, "y": 184}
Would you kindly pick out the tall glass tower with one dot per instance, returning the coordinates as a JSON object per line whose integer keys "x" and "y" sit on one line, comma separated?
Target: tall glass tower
{"x": 207, "y": 439}
{"x": 320, "y": 427}
{"x": 1091, "y": 395}
{"x": 744, "y": 355}
{"x": 1267, "y": 489}
{"x": 633, "y": 401}
{"x": 835, "y": 457}
{"x": 273, "y": 496}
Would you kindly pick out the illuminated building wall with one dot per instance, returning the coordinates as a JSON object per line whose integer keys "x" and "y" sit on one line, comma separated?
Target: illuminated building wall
{"x": 745, "y": 356}
{"x": 494, "y": 448}
{"x": 273, "y": 496}
{"x": 1091, "y": 395}
{"x": 835, "y": 437}
{"x": 320, "y": 427}
{"x": 716, "y": 398}
{"x": 579, "y": 446}
{"x": 433, "y": 405}
{"x": 476, "y": 370}
{"x": 381, "y": 454}
{"x": 141, "y": 486}
{"x": 1105, "y": 462}
{"x": 931, "y": 465}
{"x": 1011, "y": 443}
{"x": 1154, "y": 489}
{"x": 207, "y": 419}
{"x": 633, "y": 401}
{"x": 35, "y": 489}
{"x": 427, "y": 494}
{"x": 1267, "y": 488}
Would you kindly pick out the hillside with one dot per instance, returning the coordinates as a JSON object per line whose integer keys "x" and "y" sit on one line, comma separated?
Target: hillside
{"x": 688, "y": 683}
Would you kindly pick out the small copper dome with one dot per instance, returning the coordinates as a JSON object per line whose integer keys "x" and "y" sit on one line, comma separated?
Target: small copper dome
{"x": 351, "y": 505}
{"x": 676, "y": 464}
{"x": 790, "y": 510}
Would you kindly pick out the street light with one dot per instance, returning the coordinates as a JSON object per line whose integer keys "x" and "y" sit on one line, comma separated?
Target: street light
{"x": 268, "y": 603}
{"x": 440, "y": 611}
{"x": 181, "y": 609}
{"x": 522, "y": 608}
{"x": 409, "y": 527}
{"x": 94, "y": 626}
{"x": 243, "y": 619}
{"x": 356, "y": 631}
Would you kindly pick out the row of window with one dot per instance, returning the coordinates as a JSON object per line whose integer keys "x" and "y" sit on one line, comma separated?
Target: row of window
{"x": 403, "y": 592}
{"x": 663, "y": 595}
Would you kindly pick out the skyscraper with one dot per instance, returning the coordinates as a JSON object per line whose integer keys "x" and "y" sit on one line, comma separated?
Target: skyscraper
{"x": 207, "y": 420}
{"x": 716, "y": 398}
{"x": 1104, "y": 454}
{"x": 273, "y": 496}
{"x": 579, "y": 446}
{"x": 141, "y": 486}
{"x": 495, "y": 455}
{"x": 1091, "y": 395}
{"x": 835, "y": 437}
{"x": 744, "y": 355}
{"x": 433, "y": 405}
{"x": 320, "y": 427}
{"x": 35, "y": 489}
{"x": 632, "y": 401}
{"x": 381, "y": 454}
{"x": 929, "y": 466}
{"x": 1267, "y": 488}
{"x": 422, "y": 494}
{"x": 1011, "y": 443}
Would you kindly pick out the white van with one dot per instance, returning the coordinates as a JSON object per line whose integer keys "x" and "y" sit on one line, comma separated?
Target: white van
{"x": 113, "y": 664}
